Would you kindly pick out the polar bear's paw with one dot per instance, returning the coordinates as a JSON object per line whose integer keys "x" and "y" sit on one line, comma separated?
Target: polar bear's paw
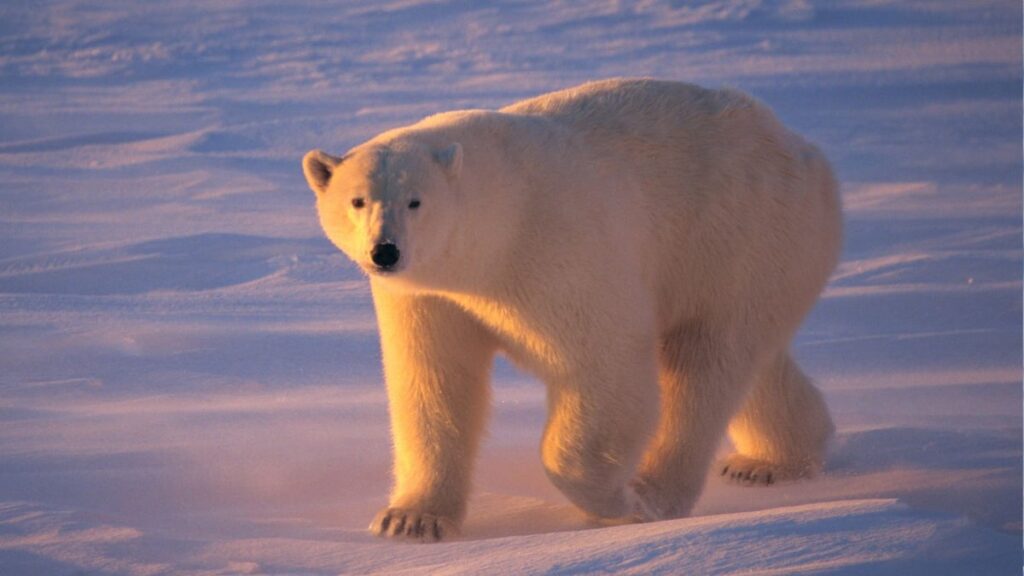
{"x": 412, "y": 525}
{"x": 756, "y": 472}
{"x": 640, "y": 498}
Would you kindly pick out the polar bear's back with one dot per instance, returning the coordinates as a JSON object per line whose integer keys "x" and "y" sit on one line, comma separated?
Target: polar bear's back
{"x": 722, "y": 146}
{"x": 624, "y": 104}
{"x": 697, "y": 134}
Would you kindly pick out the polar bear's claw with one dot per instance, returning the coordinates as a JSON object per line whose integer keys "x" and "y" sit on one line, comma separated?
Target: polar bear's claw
{"x": 749, "y": 471}
{"x": 405, "y": 524}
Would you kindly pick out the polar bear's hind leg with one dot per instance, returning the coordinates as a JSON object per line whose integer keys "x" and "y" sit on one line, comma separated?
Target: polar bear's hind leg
{"x": 704, "y": 379}
{"x": 782, "y": 430}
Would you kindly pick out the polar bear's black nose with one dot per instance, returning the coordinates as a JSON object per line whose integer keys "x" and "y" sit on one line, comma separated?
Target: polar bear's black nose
{"x": 384, "y": 255}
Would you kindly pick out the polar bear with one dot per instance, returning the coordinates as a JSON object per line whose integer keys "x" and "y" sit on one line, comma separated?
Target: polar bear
{"x": 646, "y": 248}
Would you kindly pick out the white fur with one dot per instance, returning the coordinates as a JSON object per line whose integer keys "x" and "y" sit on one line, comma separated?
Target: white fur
{"x": 646, "y": 248}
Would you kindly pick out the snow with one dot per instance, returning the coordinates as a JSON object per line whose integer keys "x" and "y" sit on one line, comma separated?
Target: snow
{"x": 189, "y": 372}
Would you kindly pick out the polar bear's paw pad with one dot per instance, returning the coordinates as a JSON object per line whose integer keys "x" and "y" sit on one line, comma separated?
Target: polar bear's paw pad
{"x": 412, "y": 525}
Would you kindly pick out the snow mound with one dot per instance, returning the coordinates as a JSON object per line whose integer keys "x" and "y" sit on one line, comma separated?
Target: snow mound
{"x": 850, "y": 537}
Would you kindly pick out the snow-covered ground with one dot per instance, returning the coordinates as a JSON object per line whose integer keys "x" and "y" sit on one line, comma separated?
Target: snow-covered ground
{"x": 189, "y": 372}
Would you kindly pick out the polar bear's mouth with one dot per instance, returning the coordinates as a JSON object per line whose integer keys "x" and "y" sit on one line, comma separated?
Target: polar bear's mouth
{"x": 376, "y": 270}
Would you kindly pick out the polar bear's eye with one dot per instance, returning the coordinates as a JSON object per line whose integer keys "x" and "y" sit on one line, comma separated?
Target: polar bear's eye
{"x": 358, "y": 202}
{"x": 414, "y": 204}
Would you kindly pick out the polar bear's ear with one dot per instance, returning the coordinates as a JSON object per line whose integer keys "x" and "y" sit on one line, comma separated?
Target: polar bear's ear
{"x": 450, "y": 159}
{"x": 318, "y": 168}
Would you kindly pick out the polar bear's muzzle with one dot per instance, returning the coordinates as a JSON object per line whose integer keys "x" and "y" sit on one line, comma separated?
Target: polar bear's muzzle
{"x": 385, "y": 256}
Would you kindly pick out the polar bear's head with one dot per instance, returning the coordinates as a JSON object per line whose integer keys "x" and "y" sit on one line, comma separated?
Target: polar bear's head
{"x": 387, "y": 206}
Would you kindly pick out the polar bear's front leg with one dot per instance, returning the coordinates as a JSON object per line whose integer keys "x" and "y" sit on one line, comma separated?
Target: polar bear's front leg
{"x": 436, "y": 363}
{"x": 600, "y": 419}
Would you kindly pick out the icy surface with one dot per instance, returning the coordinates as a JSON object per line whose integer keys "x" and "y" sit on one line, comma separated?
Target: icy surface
{"x": 189, "y": 372}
